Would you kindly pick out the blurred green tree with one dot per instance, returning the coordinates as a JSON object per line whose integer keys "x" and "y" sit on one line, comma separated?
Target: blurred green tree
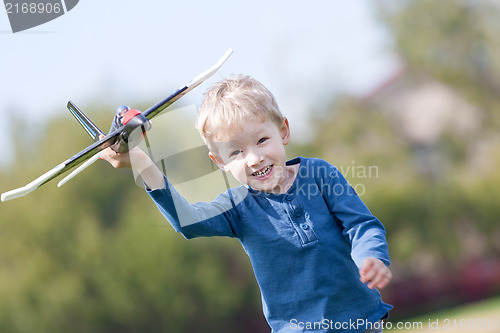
{"x": 449, "y": 52}
{"x": 453, "y": 41}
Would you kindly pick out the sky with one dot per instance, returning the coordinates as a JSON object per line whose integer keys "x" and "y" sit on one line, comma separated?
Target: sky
{"x": 125, "y": 52}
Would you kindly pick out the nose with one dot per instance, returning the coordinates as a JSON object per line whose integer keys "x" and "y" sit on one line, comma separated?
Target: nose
{"x": 253, "y": 158}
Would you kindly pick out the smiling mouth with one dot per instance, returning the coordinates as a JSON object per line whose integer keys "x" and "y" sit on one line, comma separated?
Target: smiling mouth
{"x": 264, "y": 172}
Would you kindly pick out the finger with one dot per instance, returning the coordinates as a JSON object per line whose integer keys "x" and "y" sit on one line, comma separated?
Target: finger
{"x": 107, "y": 154}
{"x": 385, "y": 280}
{"x": 369, "y": 275}
{"x": 103, "y": 154}
{"x": 100, "y": 154}
{"x": 380, "y": 283}
{"x": 368, "y": 270}
{"x": 383, "y": 283}
{"x": 367, "y": 266}
{"x": 376, "y": 280}
{"x": 381, "y": 279}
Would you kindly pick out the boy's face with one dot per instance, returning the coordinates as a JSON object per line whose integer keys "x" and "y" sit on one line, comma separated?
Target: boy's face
{"x": 255, "y": 155}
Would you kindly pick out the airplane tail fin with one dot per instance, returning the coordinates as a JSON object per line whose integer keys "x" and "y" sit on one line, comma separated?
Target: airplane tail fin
{"x": 86, "y": 123}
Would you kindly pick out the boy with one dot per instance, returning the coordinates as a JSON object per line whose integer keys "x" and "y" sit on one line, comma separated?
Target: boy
{"x": 317, "y": 252}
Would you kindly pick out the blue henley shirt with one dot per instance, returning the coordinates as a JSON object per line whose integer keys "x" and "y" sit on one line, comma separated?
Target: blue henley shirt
{"x": 306, "y": 246}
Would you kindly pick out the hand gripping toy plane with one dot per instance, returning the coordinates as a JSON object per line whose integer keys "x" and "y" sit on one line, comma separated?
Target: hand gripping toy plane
{"x": 119, "y": 137}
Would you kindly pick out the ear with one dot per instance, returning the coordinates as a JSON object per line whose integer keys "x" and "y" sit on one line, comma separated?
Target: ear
{"x": 217, "y": 160}
{"x": 285, "y": 131}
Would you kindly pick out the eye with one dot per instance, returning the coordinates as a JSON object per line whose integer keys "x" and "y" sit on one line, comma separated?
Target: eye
{"x": 234, "y": 153}
{"x": 263, "y": 140}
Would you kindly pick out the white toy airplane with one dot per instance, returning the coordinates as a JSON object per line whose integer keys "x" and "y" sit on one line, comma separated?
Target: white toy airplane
{"x": 119, "y": 137}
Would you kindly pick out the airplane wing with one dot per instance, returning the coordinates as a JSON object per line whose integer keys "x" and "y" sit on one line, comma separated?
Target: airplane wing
{"x": 112, "y": 137}
{"x": 160, "y": 106}
{"x": 77, "y": 159}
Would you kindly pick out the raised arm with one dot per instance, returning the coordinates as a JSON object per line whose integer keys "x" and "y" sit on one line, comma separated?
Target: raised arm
{"x": 192, "y": 220}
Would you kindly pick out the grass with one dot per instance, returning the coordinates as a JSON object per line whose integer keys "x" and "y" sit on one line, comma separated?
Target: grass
{"x": 481, "y": 317}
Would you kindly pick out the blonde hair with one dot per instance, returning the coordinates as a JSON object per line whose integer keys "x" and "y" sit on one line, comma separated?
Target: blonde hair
{"x": 233, "y": 101}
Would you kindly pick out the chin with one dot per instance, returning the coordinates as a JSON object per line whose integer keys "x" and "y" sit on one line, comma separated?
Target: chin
{"x": 270, "y": 188}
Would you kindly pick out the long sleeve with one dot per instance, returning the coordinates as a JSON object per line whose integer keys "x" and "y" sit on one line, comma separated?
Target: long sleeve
{"x": 202, "y": 219}
{"x": 363, "y": 230}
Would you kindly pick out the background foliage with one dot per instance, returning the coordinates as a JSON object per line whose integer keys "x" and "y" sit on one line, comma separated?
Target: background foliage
{"x": 96, "y": 256}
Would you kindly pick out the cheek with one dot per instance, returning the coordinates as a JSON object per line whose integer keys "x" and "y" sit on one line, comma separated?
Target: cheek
{"x": 235, "y": 167}
{"x": 240, "y": 175}
{"x": 277, "y": 149}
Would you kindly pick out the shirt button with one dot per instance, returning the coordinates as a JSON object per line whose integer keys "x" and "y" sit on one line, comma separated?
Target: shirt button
{"x": 298, "y": 212}
{"x": 289, "y": 198}
{"x": 304, "y": 226}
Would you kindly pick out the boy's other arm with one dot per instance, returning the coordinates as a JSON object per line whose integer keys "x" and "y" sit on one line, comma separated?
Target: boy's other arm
{"x": 364, "y": 231}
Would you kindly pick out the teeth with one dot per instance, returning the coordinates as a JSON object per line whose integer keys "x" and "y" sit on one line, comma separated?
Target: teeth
{"x": 263, "y": 172}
